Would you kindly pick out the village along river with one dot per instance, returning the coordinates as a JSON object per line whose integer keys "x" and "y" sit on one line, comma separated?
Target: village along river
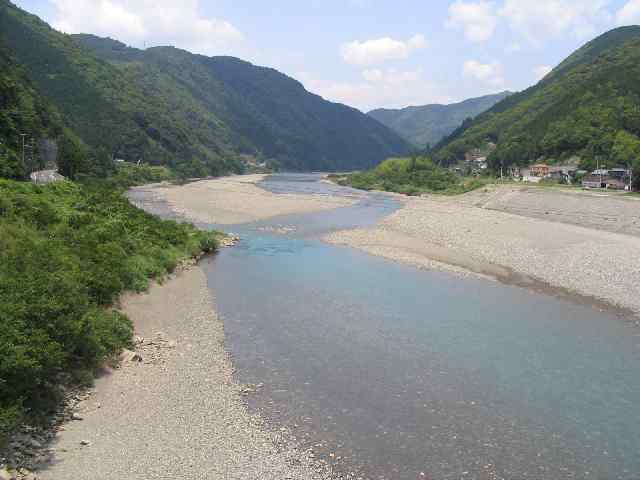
{"x": 393, "y": 372}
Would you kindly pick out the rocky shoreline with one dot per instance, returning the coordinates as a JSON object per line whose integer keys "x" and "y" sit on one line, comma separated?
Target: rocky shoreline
{"x": 172, "y": 408}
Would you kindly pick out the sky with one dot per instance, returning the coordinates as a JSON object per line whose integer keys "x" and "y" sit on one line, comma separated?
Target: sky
{"x": 364, "y": 53}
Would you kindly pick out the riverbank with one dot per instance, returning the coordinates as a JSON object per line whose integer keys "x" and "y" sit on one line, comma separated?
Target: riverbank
{"x": 177, "y": 413}
{"x": 234, "y": 200}
{"x": 466, "y": 232}
{"x": 67, "y": 252}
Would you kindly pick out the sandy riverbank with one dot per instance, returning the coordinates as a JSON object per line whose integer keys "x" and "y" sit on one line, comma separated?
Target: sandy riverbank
{"x": 233, "y": 200}
{"x": 178, "y": 414}
{"x": 467, "y": 233}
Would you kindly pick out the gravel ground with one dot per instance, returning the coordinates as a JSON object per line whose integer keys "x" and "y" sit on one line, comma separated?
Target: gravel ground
{"x": 600, "y": 210}
{"x": 178, "y": 413}
{"x": 464, "y": 232}
{"x": 233, "y": 200}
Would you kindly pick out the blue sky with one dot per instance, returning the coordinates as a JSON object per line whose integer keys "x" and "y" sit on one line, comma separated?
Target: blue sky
{"x": 366, "y": 53}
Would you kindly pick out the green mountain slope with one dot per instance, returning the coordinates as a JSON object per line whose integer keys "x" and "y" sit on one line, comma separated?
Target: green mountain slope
{"x": 266, "y": 112}
{"x": 106, "y": 108}
{"x": 21, "y": 110}
{"x": 428, "y": 124}
{"x": 193, "y": 113}
{"x": 589, "y": 106}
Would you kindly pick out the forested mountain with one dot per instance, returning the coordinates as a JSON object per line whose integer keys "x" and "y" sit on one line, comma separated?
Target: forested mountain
{"x": 21, "y": 110}
{"x": 193, "y": 113}
{"x": 264, "y": 109}
{"x": 588, "y": 106}
{"x": 428, "y": 124}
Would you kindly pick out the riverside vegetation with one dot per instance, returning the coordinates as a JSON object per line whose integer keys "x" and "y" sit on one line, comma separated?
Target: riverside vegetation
{"x": 67, "y": 250}
{"x": 409, "y": 176}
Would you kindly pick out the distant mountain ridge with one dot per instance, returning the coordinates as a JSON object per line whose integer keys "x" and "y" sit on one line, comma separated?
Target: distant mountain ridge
{"x": 193, "y": 113}
{"x": 428, "y": 124}
{"x": 587, "y": 107}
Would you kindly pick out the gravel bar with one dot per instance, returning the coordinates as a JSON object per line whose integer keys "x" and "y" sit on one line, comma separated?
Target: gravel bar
{"x": 467, "y": 232}
{"x": 172, "y": 410}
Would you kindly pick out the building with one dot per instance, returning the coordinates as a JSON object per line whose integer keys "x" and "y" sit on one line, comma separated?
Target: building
{"x": 474, "y": 155}
{"x": 616, "y": 184}
{"x": 535, "y": 173}
{"x": 43, "y": 177}
{"x": 612, "y": 179}
{"x": 539, "y": 170}
{"x": 595, "y": 181}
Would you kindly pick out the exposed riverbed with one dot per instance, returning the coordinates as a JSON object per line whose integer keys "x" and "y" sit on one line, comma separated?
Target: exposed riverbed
{"x": 394, "y": 372}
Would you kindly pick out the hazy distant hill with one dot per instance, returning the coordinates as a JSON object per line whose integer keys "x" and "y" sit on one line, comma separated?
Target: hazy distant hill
{"x": 193, "y": 113}
{"x": 427, "y": 125}
{"x": 588, "y": 106}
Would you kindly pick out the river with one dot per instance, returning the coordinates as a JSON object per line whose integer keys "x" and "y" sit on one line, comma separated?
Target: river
{"x": 393, "y": 372}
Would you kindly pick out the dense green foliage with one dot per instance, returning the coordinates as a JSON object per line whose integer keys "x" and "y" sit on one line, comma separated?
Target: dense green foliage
{"x": 410, "y": 176}
{"x": 427, "y": 125}
{"x": 66, "y": 252}
{"x": 22, "y": 110}
{"x": 128, "y": 175}
{"x": 95, "y": 97}
{"x": 195, "y": 114}
{"x": 580, "y": 109}
{"x": 265, "y": 112}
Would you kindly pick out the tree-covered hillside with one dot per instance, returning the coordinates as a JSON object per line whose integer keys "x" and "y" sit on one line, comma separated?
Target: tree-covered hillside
{"x": 29, "y": 125}
{"x": 106, "y": 108}
{"x": 589, "y": 106}
{"x": 193, "y": 113}
{"x": 266, "y": 112}
{"x": 428, "y": 124}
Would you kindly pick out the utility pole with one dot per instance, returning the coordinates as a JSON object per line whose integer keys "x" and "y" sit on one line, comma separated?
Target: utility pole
{"x": 23, "y": 135}
{"x": 31, "y": 146}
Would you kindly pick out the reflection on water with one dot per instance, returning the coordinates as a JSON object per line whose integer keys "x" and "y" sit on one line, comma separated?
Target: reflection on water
{"x": 399, "y": 373}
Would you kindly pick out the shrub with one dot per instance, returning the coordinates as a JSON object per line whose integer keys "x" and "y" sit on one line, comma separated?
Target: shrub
{"x": 66, "y": 252}
{"x": 410, "y": 176}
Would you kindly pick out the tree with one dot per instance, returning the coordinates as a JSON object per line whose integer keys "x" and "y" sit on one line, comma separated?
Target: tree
{"x": 72, "y": 157}
{"x": 11, "y": 166}
{"x": 103, "y": 163}
{"x": 626, "y": 151}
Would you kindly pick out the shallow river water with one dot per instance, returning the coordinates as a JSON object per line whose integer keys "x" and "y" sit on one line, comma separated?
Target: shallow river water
{"x": 392, "y": 372}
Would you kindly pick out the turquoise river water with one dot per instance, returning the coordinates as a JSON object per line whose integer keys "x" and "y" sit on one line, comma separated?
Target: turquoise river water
{"x": 392, "y": 372}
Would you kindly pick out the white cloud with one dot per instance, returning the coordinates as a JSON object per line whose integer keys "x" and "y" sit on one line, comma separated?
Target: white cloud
{"x": 537, "y": 20}
{"x": 372, "y": 52}
{"x": 478, "y": 20}
{"x": 388, "y": 88}
{"x": 488, "y": 73}
{"x": 154, "y": 21}
{"x": 629, "y": 14}
{"x": 542, "y": 71}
